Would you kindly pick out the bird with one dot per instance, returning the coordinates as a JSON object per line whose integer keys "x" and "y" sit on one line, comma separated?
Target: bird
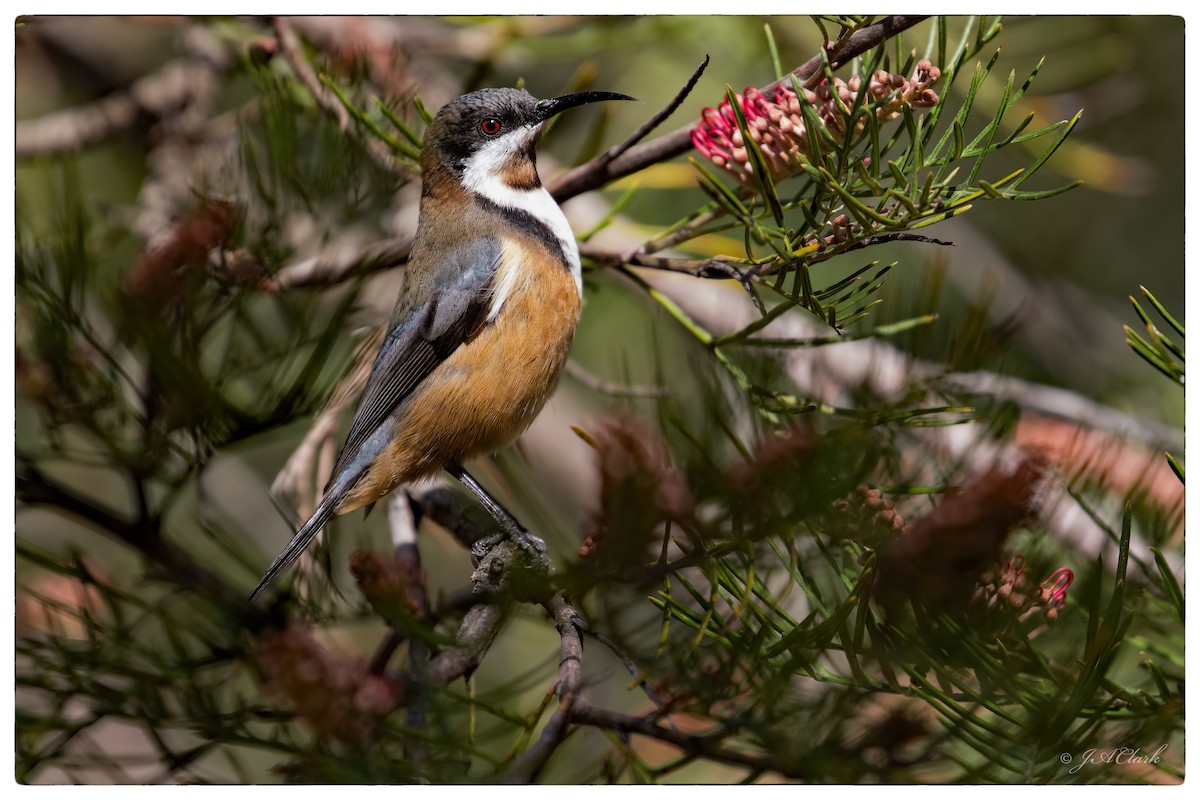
{"x": 489, "y": 302}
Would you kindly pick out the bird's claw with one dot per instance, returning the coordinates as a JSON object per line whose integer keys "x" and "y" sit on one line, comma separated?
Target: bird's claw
{"x": 534, "y": 546}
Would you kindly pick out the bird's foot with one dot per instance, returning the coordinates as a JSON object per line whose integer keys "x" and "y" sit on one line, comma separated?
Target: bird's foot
{"x": 532, "y": 545}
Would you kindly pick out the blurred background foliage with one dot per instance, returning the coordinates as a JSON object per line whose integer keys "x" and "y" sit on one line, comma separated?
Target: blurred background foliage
{"x": 175, "y": 404}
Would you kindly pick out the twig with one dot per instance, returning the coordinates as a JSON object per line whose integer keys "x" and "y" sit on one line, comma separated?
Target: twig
{"x": 884, "y": 238}
{"x": 402, "y": 525}
{"x": 630, "y": 665}
{"x": 453, "y": 510}
{"x": 76, "y": 128}
{"x": 384, "y": 650}
{"x": 290, "y": 49}
{"x": 847, "y": 48}
{"x": 329, "y": 269}
{"x": 599, "y": 171}
{"x": 683, "y": 234}
{"x": 652, "y": 123}
{"x": 612, "y": 388}
{"x": 724, "y": 269}
{"x": 570, "y": 664}
{"x": 708, "y": 745}
{"x": 292, "y": 52}
{"x": 570, "y": 682}
{"x": 715, "y": 268}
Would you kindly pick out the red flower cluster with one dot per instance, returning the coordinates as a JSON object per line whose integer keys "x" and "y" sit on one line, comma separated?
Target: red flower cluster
{"x": 777, "y": 123}
{"x": 1010, "y": 586}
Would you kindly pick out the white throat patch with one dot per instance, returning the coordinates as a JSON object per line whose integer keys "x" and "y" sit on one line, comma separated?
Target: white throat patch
{"x": 481, "y": 175}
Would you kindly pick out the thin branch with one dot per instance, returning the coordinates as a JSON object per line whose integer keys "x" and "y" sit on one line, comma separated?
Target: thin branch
{"x": 402, "y": 525}
{"x": 570, "y": 682}
{"x": 709, "y": 745}
{"x": 612, "y": 388}
{"x": 719, "y": 268}
{"x": 464, "y": 519}
{"x": 384, "y": 650}
{"x": 292, "y": 52}
{"x": 35, "y": 489}
{"x": 716, "y": 268}
{"x": 652, "y": 123}
{"x": 600, "y": 171}
{"x": 683, "y": 234}
{"x": 630, "y": 665}
{"x": 884, "y": 238}
{"x": 338, "y": 266}
{"x": 570, "y": 663}
{"x": 76, "y": 128}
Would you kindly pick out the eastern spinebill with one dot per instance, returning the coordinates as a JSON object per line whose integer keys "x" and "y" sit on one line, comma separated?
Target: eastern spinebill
{"x": 487, "y": 310}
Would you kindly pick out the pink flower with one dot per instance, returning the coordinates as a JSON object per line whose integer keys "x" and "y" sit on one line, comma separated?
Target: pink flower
{"x": 778, "y": 127}
{"x": 1054, "y": 588}
{"x": 1007, "y": 587}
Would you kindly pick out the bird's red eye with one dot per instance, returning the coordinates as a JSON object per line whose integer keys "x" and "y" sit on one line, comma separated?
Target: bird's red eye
{"x": 490, "y": 126}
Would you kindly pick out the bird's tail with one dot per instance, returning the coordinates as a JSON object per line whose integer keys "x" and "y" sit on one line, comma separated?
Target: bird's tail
{"x": 299, "y": 542}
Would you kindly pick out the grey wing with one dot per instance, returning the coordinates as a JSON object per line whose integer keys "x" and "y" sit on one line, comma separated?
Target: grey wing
{"x": 453, "y": 315}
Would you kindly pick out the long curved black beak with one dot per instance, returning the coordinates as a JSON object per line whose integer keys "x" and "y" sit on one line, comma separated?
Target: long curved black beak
{"x": 556, "y": 105}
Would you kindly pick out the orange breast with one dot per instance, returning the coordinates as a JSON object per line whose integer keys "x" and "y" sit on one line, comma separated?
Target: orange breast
{"x": 489, "y": 390}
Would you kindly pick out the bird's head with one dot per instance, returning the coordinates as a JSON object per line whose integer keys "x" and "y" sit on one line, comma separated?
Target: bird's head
{"x": 494, "y": 133}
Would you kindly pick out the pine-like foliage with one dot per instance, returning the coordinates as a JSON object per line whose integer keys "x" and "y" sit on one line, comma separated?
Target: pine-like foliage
{"x": 804, "y": 553}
